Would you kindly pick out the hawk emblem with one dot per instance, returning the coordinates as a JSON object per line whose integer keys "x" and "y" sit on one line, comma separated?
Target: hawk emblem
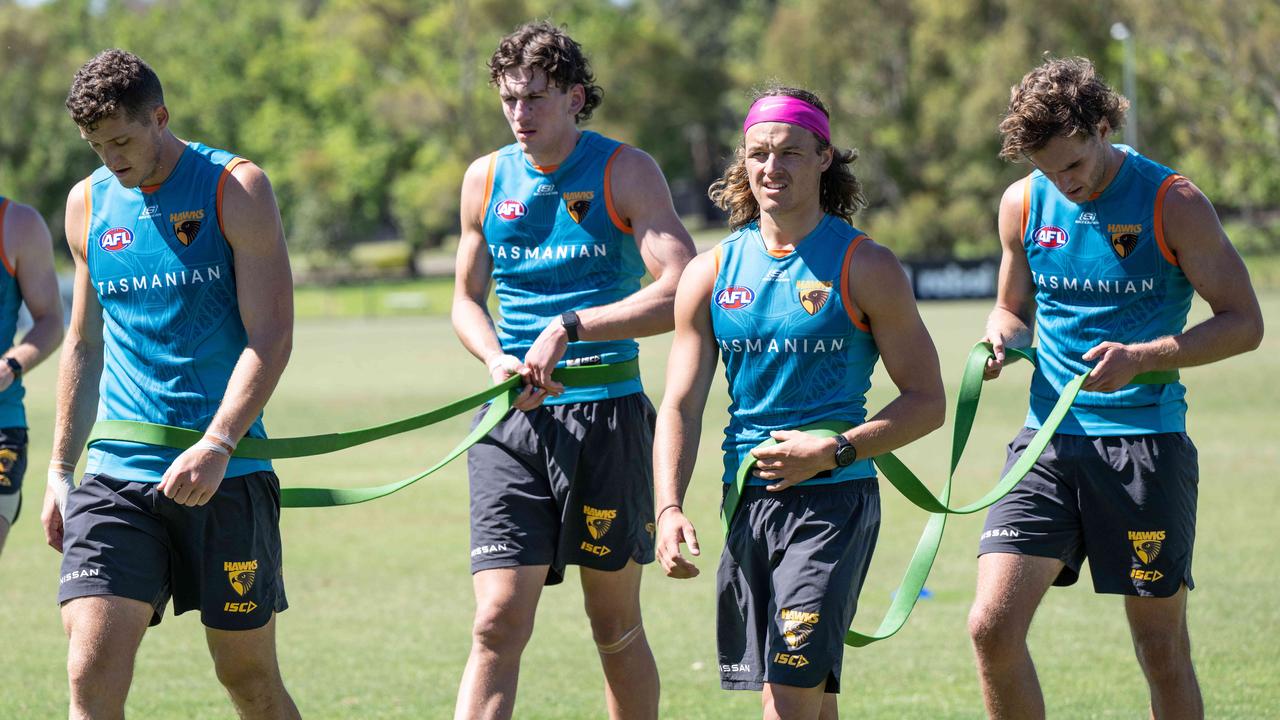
{"x": 7, "y": 459}
{"x": 796, "y": 633}
{"x": 186, "y": 230}
{"x": 598, "y": 526}
{"x": 1123, "y": 243}
{"x": 578, "y": 204}
{"x": 242, "y": 580}
{"x": 1147, "y": 550}
{"x": 813, "y": 300}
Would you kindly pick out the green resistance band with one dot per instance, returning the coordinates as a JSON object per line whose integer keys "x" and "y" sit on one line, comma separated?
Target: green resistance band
{"x": 503, "y": 395}
{"x": 906, "y": 482}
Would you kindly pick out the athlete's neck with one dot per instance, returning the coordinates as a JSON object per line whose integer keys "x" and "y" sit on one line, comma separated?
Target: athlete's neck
{"x": 556, "y": 153}
{"x": 1112, "y": 161}
{"x": 783, "y": 231}
{"x": 171, "y": 150}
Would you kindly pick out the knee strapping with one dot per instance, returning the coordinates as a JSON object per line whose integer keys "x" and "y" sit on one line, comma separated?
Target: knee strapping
{"x": 623, "y": 642}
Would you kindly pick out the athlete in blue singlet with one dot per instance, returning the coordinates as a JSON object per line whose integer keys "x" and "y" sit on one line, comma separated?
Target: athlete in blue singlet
{"x": 565, "y": 223}
{"x": 800, "y": 305}
{"x": 27, "y": 278}
{"x": 1102, "y": 250}
{"x": 183, "y": 315}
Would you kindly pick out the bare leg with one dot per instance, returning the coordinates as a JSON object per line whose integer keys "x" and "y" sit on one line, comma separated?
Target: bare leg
{"x": 630, "y": 673}
{"x": 1010, "y": 588}
{"x": 104, "y": 633}
{"x": 1163, "y": 646}
{"x": 506, "y": 603}
{"x": 785, "y": 702}
{"x": 245, "y": 661}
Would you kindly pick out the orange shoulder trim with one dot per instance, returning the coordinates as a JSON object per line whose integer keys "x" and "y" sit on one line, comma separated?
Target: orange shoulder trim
{"x": 617, "y": 219}
{"x": 488, "y": 185}
{"x": 1159, "y": 218}
{"x": 222, "y": 182}
{"x": 845, "y": 292}
{"x": 1026, "y": 205}
{"x": 717, "y": 252}
{"x": 4, "y": 256}
{"x": 88, "y": 217}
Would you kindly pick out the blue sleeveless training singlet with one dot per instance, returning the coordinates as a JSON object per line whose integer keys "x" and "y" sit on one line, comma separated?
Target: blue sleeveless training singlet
{"x": 12, "y": 412}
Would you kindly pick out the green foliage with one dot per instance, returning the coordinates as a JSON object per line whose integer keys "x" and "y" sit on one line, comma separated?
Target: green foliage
{"x": 366, "y": 113}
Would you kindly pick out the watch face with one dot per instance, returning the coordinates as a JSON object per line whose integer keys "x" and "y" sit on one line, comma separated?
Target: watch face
{"x": 845, "y": 455}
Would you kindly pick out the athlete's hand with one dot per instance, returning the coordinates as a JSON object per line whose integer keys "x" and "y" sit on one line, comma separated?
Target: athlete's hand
{"x": 503, "y": 367}
{"x": 797, "y": 457}
{"x": 1117, "y": 365}
{"x": 546, "y": 351}
{"x": 6, "y": 377}
{"x": 994, "y": 364}
{"x": 194, "y": 476}
{"x": 673, "y": 529}
{"x": 60, "y": 483}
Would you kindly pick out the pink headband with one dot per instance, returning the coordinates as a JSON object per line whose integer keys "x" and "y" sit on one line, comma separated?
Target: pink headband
{"x": 790, "y": 110}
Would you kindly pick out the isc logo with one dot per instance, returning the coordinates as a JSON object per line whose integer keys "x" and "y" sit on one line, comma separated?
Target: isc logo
{"x": 509, "y": 209}
{"x": 240, "y": 607}
{"x": 116, "y": 239}
{"x": 735, "y": 297}
{"x": 1051, "y": 236}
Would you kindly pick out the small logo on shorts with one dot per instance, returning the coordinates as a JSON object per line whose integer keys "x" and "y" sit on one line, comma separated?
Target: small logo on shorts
{"x": 736, "y": 668}
{"x": 795, "y": 660}
{"x": 241, "y": 576}
{"x": 797, "y": 626}
{"x": 598, "y": 521}
{"x": 7, "y": 459}
{"x": 999, "y": 532}
{"x": 1146, "y": 545}
{"x": 81, "y": 573}
{"x": 486, "y": 549}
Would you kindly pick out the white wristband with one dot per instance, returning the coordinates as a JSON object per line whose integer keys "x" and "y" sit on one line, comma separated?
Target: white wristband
{"x": 498, "y": 360}
{"x": 61, "y": 482}
{"x": 226, "y": 441}
{"x": 212, "y": 447}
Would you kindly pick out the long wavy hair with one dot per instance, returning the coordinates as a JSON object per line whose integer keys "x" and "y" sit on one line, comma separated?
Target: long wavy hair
{"x": 549, "y": 48}
{"x": 839, "y": 190}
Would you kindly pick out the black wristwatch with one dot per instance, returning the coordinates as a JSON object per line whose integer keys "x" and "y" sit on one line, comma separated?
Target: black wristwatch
{"x": 14, "y": 365}
{"x": 846, "y": 453}
{"x": 570, "y": 322}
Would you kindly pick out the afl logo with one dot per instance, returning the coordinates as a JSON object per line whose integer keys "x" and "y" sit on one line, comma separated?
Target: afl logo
{"x": 116, "y": 239}
{"x": 735, "y": 297}
{"x": 1051, "y": 236}
{"x": 509, "y": 210}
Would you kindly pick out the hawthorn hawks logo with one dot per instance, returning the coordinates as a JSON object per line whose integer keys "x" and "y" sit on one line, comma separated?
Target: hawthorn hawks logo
{"x": 1051, "y": 236}
{"x": 186, "y": 224}
{"x": 8, "y": 458}
{"x": 598, "y": 521}
{"x": 1146, "y": 545}
{"x": 813, "y": 294}
{"x": 1123, "y": 244}
{"x": 115, "y": 239}
{"x": 735, "y": 297}
{"x": 241, "y": 575}
{"x": 578, "y": 203}
{"x": 797, "y": 626}
{"x": 510, "y": 210}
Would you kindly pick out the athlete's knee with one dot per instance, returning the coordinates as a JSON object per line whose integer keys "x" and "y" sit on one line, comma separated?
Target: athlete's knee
{"x": 992, "y": 632}
{"x": 616, "y": 641}
{"x": 250, "y": 681}
{"x": 1163, "y": 655}
{"x": 500, "y": 631}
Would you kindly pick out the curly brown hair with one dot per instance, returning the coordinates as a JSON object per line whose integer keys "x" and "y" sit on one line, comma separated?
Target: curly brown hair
{"x": 113, "y": 80}
{"x": 1063, "y": 97}
{"x": 839, "y": 190}
{"x": 549, "y": 48}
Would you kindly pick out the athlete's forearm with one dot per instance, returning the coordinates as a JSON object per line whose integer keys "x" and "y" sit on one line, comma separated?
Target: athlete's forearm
{"x": 648, "y": 311}
{"x": 39, "y": 342}
{"x": 675, "y": 450}
{"x": 1217, "y": 338}
{"x": 474, "y": 327}
{"x": 909, "y": 417}
{"x": 79, "y": 371}
{"x": 252, "y": 382}
{"x": 1016, "y": 330}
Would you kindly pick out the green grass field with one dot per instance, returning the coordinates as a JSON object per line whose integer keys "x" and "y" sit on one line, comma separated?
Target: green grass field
{"x": 381, "y": 597}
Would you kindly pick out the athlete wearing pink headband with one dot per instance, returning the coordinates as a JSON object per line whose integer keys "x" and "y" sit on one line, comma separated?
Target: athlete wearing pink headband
{"x": 790, "y": 110}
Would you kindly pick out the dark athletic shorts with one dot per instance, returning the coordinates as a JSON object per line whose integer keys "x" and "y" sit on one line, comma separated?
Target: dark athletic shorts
{"x": 1126, "y": 503}
{"x": 565, "y": 485}
{"x": 788, "y": 583}
{"x": 13, "y": 467}
{"x": 128, "y": 540}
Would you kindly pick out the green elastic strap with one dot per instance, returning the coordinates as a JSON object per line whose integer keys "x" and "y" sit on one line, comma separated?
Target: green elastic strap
{"x": 918, "y": 493}
{"x": 503, "y": 395}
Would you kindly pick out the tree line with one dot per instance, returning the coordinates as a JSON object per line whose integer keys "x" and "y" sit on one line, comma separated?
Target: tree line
{"x": 365, "y": 113}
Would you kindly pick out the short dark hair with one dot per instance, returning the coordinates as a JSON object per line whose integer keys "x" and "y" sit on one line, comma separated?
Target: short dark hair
{"x": 1063, "y": 97}
{"x": 112, "y": 81}
{"x": 548, "y": 48}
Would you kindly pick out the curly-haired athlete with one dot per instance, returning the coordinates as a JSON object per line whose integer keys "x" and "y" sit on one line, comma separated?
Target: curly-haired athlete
{"x": 565, "y": 222}
{"x": 800, "y": 305}
{"x": 182, "y": 315}
{"x": 1102, "y": 250}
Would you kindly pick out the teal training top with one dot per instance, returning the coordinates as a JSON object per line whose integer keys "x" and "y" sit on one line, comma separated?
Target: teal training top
{"x": 558, "y": 244}
{"x": 172, "y": 332}
{"x": 1102, "y": 272}
{"x": 12, "y": 413}
{"x": 793, "y": 353}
